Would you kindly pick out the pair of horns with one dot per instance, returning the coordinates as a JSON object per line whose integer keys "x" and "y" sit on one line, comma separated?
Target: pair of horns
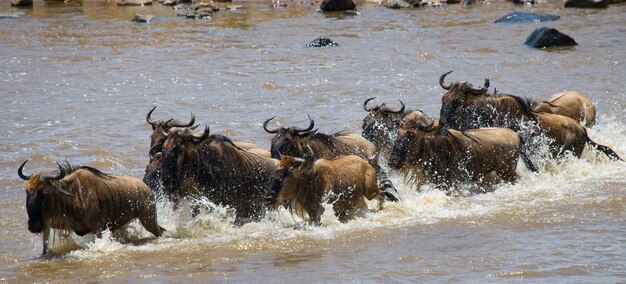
{"x": 62, "y": 173}
{"x": 190, "y": 134}
{"x": 169, "y": 122}
{"x": 443, "y": 76}
{"x": 386, "y": 109}
{"x": 296, "y": 129}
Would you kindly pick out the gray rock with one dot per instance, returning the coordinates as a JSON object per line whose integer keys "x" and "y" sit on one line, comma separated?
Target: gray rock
{"x": 134, "y": 2}
{"x": 523, "y": 17}
{"x": 401, "y": 4}
{"x": 321, "y": 42}
{"x": 141, "y": 18}
{"x": 548, "y": 37}
{"x": 12, "y": 15}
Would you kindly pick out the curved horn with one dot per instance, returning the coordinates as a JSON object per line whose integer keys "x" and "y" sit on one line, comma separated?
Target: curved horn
{"x": 443, "y": 76}
{"x": 62, "y": 171}
{"x": 401, "y": 110}
{"x": 428, "y": 127}
{"x": 365, "y": 104}
{"x": 21, "y": 174}
{"x": 308, "y": 129}
{"x": 205, "y": 134}
{"x": 486, "y": 85}
{"x": 191, "y": 122}
{"x": 265, "y": 126}
{"x": 152, "y": 122}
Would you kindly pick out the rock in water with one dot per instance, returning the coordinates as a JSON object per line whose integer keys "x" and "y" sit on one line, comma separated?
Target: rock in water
{"x": 587, "y": 4}
{"x": 21, "y": 2}
{"x": 141, "y": 18}
{"x": 337, "y": 5}
{"x": 401, "y": 4}
{"x": 548, "y": 37}
{"x": 134, "y": 2}
{"x": 321, "y": 42}
{"x": 523, "y": 17}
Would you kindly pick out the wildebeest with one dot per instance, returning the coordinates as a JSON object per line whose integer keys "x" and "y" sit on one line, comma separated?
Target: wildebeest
{"x": 571, "y": 104}
{"x": 466, "y": 107}
{"x": 380, "y": 126}
{"x": 213, "y": 166}
{"x": 425, "y": 152}
{"x": 293, "y": 140}
{"x": 85, "y": 200}
{"x": 302, "y": 184}
{"x": 152, "y": 176}
{"x": 153, "y": 169}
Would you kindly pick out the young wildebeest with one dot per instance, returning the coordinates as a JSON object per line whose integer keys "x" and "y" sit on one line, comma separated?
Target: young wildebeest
{"x": 85, "y": 200}
{"x": 303, "y": 185}
{"x": 212, "y": 166}
{"x": 571, "y": 104}
{"x": 466, "y": 107}
{"x": 291, "y": 141}
{"x": 425, "y": 152}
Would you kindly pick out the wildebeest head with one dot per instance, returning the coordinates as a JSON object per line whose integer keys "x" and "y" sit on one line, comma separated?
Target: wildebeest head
{"x": 160, "y": 126}
{"x": 182, "y": 145}
{"x": 289, "y": 141}
{"x": 414, "y": 125}
{"x": 290, "y": 174}
{"x": 37, "y": 188}
{"x": 461, "y": 97}
{"x": 381, "y": 122}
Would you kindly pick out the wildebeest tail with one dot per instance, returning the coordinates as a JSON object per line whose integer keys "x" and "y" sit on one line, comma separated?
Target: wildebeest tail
{"x": 524, "y": 154}
{"x": 606, "y": 150}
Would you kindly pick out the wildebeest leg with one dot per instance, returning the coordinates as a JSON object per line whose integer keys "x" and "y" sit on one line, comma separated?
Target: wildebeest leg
{"x": 606, "y": 150}
{"x": 46, "y": 235}
{"x": 383, "y": 181}
{"x": 508, "y": 174}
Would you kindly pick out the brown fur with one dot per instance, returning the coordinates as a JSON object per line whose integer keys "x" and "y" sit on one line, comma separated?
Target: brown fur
{"x": 445, "y": 156}
{"x": 218, "y": 169}
{"x": 98, "y": 201}
{"x": 346, "y": 181}
{"x": 571, "y": 104}
{"x": 474, "y": 108}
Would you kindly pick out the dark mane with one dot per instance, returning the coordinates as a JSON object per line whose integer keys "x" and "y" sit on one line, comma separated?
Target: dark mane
{"x": 68, "y": 169}
{"x": 329, "y": 139}
{"x": 525, "y": 103}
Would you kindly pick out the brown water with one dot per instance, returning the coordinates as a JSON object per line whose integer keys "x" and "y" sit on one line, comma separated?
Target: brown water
{"x": 76, "y": 81}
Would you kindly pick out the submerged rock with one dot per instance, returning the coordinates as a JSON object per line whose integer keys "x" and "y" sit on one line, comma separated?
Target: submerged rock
{"x": 401, "y": 4}
{"x": 322, "y": 42}
{"x": 141, "y": 18}
{"x": 134, "y": 2}
{"x": 548, "y": 37}
{"x": 587, "y": 3}
{"x": 523, "y": 17}
{"x": 337, "y": 5}
{"x": 12, "y": 15}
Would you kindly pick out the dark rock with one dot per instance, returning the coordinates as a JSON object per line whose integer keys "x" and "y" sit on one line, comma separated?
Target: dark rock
{"x": 337, "y": 5}
{"x": 401, "y": 4}
{"x": 587, "y": 4}
{"x": 321, "y": 42}
{"x": 524, "y": 2}
{"x": 141, "y": 18}
{"x": 523, "y": 17}
{"x": 21, "y": 2}
{"x": 12, "y": 15}
{"x": 134, "y": 2}
{"x": 548, "y": 37}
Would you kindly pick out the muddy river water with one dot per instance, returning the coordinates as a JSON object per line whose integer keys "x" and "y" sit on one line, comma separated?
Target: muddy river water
{"x": 76, "y": 81}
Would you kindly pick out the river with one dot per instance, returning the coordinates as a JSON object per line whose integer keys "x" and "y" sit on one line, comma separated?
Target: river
{"x": 77, "y": 79}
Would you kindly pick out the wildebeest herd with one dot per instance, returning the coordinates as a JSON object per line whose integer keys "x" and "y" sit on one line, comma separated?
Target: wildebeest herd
{"x": 479, "y": 137}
